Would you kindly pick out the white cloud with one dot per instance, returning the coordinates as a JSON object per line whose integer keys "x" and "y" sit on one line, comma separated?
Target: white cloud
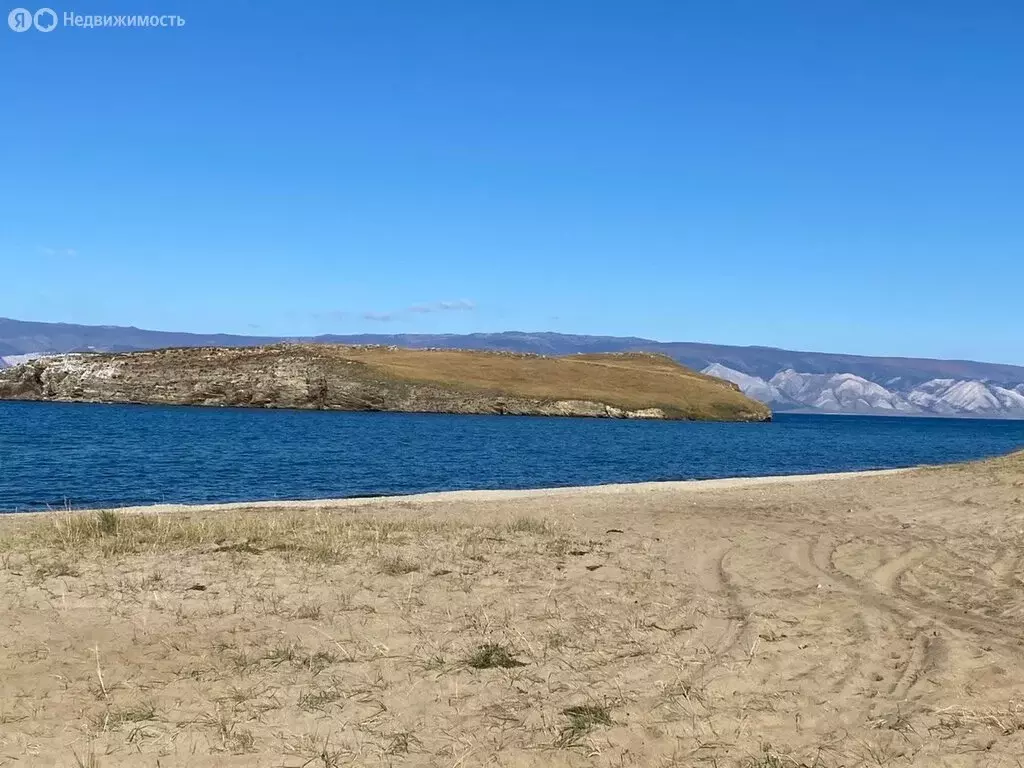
{"x": 463, "y": 305}
{"x": 459, "y": 305}
{"x": 56, "y": 252}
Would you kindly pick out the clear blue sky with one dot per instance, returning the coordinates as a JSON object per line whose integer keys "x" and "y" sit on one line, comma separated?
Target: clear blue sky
{"x": 836, "y": 176}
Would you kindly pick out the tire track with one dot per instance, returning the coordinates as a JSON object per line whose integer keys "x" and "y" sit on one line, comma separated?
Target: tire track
{"x": 799, "y": 553}
{"x": 1004, "y": 576}
{"x": 886, "y": 578}
{"x": 884, "y": 620}
{"x": 714, "y": 580}
{"x": 928, "y": 651}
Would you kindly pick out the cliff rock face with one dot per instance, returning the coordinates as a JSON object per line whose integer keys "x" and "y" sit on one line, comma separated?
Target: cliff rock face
{"x": 386, "y": 379}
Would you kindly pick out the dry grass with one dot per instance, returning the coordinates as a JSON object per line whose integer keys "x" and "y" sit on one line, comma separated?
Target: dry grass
{"x": 583, "y": 718}
{"x": 294, "y": 535}
{"x": 629, "y": 381}
{"x": 833, "y": 624}
{"x": 493, "y": 656}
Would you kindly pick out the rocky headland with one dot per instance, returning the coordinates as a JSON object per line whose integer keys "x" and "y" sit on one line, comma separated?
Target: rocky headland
{"x": 374, "y": 378}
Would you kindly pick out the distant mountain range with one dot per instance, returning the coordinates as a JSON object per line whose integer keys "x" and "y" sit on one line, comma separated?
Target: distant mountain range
{"x": 784, "y": 379}
{"x": 849, "y": 393}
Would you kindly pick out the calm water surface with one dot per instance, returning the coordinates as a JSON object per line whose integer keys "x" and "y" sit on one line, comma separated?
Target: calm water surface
{"x": 57, "y": 454}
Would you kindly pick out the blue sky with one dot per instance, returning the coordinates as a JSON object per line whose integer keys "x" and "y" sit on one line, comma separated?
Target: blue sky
{"x": 834, "y": 176}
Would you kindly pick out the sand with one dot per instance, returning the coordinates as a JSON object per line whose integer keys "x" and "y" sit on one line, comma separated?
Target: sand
{"x": 870, "y": 619}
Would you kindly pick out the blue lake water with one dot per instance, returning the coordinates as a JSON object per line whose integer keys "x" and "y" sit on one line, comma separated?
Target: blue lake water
{"x": 80, "y": 455}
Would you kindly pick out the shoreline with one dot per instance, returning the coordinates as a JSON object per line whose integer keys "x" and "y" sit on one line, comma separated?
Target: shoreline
{"x": 302, "y": 409}
{"x": 632, "y": 621}
{"x": 470, "y": 495}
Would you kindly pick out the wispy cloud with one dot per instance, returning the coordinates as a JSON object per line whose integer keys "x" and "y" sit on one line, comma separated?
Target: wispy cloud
{"x": 462, "y": 305}
{"x": 55, "y": 252}
{"x": 339, "y": 315}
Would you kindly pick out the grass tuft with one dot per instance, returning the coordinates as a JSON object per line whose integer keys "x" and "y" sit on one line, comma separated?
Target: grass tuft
{"x": 282, "y": 654}
{"x": 532, "y": 525}
{"x": 320, "y": 754}
{"x": 318, "y": 700}
{"x": 309, "y": 611}
{"x": 89, "y": 760}
{"x": 767, "y": 759}
{"x": 107, "y": 522}
{"x": 401, "y": 743}
{"x": 583, "y": 718}
{"x": 493, "y": 656}
{"x": 115, "y": 718}
{"x": 55, "y": 568}
{"x": 293, "y": 654}
{"x": 396, "y": 565}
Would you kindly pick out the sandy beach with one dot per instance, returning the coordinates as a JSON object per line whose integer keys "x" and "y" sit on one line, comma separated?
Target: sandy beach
{"x": 870, "y": 619}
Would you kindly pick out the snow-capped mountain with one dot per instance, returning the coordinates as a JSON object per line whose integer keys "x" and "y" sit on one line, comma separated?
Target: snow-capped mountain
{"x": 847, "y": 393}
{"x": 9, "y": 361}
{"x": 752, "y": 386}
{"x": 975, "y": 397}
{"x": 839, "y": 392}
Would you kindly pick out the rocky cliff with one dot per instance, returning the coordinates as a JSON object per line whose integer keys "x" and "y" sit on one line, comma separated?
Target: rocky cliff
{"x": 357, "y": 378}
